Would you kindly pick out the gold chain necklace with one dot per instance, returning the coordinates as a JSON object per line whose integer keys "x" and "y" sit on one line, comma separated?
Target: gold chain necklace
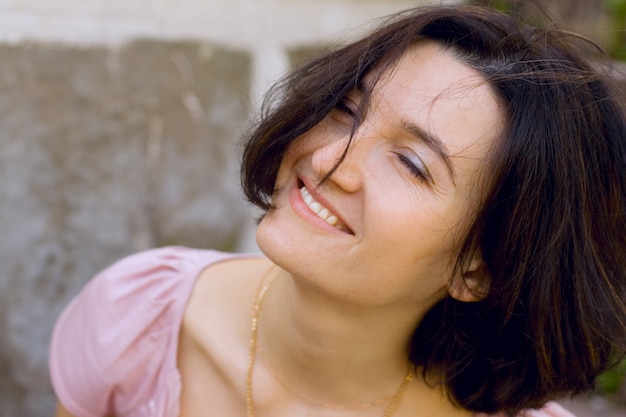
{"x": 250, "y": 409}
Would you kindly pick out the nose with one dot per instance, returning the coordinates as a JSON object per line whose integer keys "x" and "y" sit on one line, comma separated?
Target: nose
{"x": 328, "y": 164}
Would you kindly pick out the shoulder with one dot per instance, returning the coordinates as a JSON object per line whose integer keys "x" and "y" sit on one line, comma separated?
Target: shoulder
{"x": 221, "y": 303}
{"x": 119, "y": 333}
{"x": 215, "y": 334}
{"x": 142, "y": 292}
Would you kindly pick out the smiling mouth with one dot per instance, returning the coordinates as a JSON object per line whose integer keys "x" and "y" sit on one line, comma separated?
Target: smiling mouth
{"x": 321, "y": 211}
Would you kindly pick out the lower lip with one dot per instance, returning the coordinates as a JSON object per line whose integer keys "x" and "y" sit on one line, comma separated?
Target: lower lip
{"x": 299, "y": 206}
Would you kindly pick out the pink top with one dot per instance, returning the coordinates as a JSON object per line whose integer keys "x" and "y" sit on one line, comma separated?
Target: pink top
{"x": 114, "y": 346}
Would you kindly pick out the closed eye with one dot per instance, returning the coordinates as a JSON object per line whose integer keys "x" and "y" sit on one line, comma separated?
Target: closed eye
{"x": 345, "y": 113}
{"x": 419, "y": 172}
{"x": 344, "y": 107}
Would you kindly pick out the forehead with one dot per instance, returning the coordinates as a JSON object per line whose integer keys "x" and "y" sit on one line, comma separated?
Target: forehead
{"x": 432, "y": 88}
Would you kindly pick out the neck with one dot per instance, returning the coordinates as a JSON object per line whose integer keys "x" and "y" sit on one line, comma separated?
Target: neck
{"x": 326, "y": 349}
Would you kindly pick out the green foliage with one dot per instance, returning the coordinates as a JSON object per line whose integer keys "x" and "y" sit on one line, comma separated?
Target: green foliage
{"x": 617, "y": 45}
{"x": 615, "y": 10}
{"x": 612, "y": 382}
{"x": 503, "y": 5}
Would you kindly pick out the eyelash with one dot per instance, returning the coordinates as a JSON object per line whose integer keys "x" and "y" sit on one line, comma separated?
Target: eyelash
{"x": 413, "y": 169}
{"x": 344, "y": 108}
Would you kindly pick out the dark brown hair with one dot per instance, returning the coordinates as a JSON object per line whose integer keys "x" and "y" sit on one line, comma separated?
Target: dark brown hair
{"x": 552, "y": 227}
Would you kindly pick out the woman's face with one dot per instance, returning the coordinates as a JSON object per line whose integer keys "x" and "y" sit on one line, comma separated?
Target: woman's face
{"x": 386, "y": 226}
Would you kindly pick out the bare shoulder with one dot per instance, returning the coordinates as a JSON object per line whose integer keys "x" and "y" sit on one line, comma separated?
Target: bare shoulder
{"x": 62, "y": 412}
{"x": 219, "y": 308}
{"x": 214, "y": 336}
{"x": 228, "y": 286}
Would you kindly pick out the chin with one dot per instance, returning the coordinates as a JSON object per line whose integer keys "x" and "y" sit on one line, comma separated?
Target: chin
{"x": 271, "y": 240}
{"x": 283, "y": 245}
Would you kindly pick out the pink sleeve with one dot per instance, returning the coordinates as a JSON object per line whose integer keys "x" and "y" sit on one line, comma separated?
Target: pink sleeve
{"x": 117, "y": 337}
{"x": 551, "y": 409}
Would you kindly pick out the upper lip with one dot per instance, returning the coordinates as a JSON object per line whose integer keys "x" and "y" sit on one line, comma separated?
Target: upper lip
{"x": 323, "y": 201}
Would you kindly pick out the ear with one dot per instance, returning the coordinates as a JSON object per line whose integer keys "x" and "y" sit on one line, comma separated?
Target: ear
{"x": 473, "y": 283}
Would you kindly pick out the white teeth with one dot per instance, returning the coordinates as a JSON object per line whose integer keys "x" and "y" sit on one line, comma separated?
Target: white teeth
{"x": 316, "y": 207}
{"x": 321, "y": 211}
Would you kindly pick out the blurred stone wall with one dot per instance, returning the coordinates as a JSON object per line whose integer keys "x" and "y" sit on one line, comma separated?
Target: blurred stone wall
{"x": 105, "y": 152}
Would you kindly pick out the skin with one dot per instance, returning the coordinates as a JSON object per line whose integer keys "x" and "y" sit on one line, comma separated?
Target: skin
{"x": 337, "y": 319}
{"x": 405, "y": 232}
{"x": 348, "y": 292}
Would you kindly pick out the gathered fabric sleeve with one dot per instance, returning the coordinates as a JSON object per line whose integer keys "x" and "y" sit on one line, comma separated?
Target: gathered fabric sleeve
{"x": 550, "y": 409}
{"x": 113, "y": 349}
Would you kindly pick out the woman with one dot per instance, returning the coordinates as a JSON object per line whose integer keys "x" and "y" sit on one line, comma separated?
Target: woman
{"x": 444, "y": 233}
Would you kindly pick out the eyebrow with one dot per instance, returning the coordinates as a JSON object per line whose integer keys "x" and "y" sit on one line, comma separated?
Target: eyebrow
{"x": 420, "y": 135}
{"x": 433, "y": 142}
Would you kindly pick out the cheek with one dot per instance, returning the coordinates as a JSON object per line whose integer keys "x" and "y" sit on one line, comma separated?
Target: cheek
{"x": 285, "y": 168}
{"x": 429, "y": 225}
{"x": 295, "y": 151}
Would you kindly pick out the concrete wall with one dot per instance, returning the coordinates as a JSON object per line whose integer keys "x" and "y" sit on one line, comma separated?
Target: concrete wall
{"x": 264, "y": 28}
{"x": 118, "y": 131}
